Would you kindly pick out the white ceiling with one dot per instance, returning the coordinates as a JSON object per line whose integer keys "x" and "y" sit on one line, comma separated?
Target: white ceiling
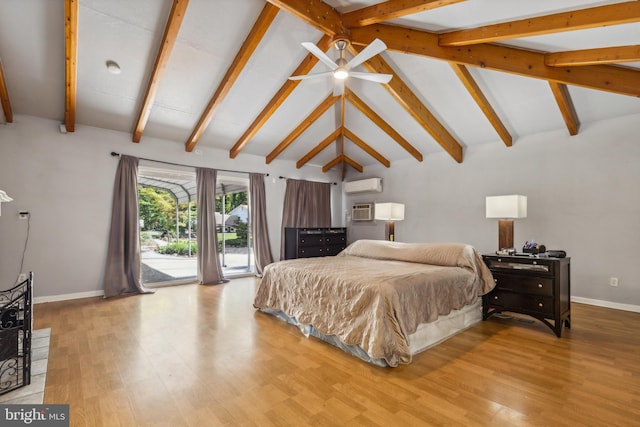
{"x": 32, "y": 52}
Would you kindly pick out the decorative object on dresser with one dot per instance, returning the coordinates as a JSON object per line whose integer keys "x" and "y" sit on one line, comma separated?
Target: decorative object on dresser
{"x": 506, "y": 208}
{"x": 313, "y": 242}
{"x": 389, "y": 212}
{"x": 539, "y": 287}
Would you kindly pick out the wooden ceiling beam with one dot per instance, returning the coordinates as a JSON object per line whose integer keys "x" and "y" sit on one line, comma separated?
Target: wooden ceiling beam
{"x": 306, "y": 122}
{"x": 338, "y": 159}
{"x": 604, "y": 55}
{"x": 4, "y": 98}
{"x": 278, "y": 99}
{"x": 71, "y": 63}
{"x": 390, "y": 9}
{"x": 178, "y": 9}
{"x": 476, "y": 93}
{"x": 366, "y": 148}
{"x": 379, "y": 121}
{"x": 318, "y": 148}
{"x": 614, "y": 14}
{"x": 315, "y": 13}
{"x": 342, "y": 159}
{"x": 412, "y": 104}
{"x": 563, "y": 99}
{"x": 348, "y": 160}
{"x": 500, "y": 58}
{"x": 249, "y": 45}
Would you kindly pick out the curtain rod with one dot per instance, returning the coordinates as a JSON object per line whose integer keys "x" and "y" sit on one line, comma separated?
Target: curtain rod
{"x": 284, "y": 177}
{"x": 114, "y": 154}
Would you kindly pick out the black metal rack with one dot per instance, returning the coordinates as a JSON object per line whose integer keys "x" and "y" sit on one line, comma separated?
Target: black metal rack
{"x": 15, "y": 336}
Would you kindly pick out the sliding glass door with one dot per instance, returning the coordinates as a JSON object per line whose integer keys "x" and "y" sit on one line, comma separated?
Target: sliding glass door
{"x": 167, "y": 201}
{"x": 232, "y": 219}
{"x": 167, "y": 224}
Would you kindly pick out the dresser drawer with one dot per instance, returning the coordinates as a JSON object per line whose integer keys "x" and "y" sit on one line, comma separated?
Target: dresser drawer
{"x": 311, "y": 240}
{"x": 524, "y": 284}
{"x": 520, "y": 302}
{"x": 539, "y": 266}
{"x": 335, "y": 239}
{"x": 311, "y": 251}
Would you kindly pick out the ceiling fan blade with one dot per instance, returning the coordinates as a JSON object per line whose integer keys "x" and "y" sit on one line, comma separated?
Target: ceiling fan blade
{"x": 315, "y": 50}
{"x": 373, "y": 77}
{"x": 374, "y": 48}
{"x": 311, "y": 76}
{"x": 338, "y": 88}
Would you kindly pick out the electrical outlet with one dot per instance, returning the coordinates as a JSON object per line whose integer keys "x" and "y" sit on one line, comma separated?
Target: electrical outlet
{"x": 613, "y": 281}
{"x": 22, "y": 277}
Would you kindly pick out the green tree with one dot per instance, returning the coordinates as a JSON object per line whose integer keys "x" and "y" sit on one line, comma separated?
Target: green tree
{"x": 232, "y": 201}
{"x": 157, "y": 208}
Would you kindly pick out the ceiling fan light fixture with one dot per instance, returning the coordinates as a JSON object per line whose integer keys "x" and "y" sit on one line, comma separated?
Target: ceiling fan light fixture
{"x": 341, "y": 73}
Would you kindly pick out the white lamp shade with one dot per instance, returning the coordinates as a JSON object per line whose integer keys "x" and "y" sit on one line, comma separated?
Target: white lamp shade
{"x": 4, "y": 198}
{"x": 389, "y": 211}
{"x": 513, "y": 206}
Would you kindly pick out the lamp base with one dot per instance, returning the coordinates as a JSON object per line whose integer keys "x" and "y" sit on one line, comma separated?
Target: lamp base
{"x": 505, "y": 234}
{"x": 390, "y": 231}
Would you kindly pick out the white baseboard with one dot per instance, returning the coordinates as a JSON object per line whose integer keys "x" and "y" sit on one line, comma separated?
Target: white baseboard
{"x": 608, "y": 304}
{"x": 65, "y": 297}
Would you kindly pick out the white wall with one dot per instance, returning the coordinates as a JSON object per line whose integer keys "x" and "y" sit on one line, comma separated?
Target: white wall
{"x": 583, "y": 197}
{"x": 66, "y": 182}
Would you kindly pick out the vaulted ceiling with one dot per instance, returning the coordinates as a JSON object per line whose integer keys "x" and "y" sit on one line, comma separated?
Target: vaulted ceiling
{"x": 214, "y": 74}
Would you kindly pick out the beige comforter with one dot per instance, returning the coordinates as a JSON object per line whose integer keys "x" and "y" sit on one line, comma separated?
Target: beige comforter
{"x": 376, "y": 293}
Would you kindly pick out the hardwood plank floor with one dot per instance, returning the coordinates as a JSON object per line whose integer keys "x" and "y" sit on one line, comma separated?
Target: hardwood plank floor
{"x": 201, "y": 356}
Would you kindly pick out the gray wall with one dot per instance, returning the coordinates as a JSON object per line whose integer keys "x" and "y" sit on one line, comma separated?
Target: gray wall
{"x": 583, "y": 196}
{"x": 66, "y": 183}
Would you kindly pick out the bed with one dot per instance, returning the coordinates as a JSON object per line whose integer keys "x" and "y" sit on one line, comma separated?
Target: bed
{"x": 381, "y": 301}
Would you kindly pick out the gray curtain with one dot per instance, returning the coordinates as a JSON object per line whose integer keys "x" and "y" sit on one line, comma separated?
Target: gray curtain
{"x": 123, "y": 272}
{"x": 209, "y": 268}
{"x": 306, "y": 204}
{"x": 259, "y": 230}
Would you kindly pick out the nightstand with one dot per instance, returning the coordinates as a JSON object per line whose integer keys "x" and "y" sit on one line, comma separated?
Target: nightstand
{"x": 533, "y": 285}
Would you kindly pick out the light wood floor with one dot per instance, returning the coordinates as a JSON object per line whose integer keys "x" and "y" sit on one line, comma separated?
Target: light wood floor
{"x": 201, "y": 356}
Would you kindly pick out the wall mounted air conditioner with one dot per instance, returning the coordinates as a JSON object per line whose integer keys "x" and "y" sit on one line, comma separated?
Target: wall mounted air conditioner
{"x": 363, "y": 185}
{"x": 362, "y": 212}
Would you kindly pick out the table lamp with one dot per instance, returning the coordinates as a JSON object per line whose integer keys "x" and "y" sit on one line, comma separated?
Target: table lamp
{"x": 389, "y": 212}
{"x": 506, "y": 208}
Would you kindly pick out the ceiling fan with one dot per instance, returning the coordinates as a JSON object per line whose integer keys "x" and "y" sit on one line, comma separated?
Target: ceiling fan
{"x": 341, "y": 69}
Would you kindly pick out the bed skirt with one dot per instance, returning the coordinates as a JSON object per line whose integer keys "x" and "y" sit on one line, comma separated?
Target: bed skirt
{"x": 426, "y": 336}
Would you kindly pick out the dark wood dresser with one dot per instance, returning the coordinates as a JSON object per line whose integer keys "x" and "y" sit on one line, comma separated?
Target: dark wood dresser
{"x": 536, "y": 286}
{"x": 313, "y": 242}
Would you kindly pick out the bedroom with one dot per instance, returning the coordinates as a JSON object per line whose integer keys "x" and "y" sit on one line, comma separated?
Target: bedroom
{"x": 582, "y": 190}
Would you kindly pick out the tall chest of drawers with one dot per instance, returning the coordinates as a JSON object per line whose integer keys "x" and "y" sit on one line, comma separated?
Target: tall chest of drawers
{"x": 536, "y": 286}
{"x": 313, "y": 242}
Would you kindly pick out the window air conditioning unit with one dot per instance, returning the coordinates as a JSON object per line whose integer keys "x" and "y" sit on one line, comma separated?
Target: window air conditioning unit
{"x": 363, "y": 186}
{"x": 362, "y": 212}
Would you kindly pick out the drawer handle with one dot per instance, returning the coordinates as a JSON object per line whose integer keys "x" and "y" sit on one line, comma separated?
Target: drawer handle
{"x": 495, "y": 297}
{"x": 539, "y": 285}
{"x": 495, "y": 280}
{"x": 540, "y": 304}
